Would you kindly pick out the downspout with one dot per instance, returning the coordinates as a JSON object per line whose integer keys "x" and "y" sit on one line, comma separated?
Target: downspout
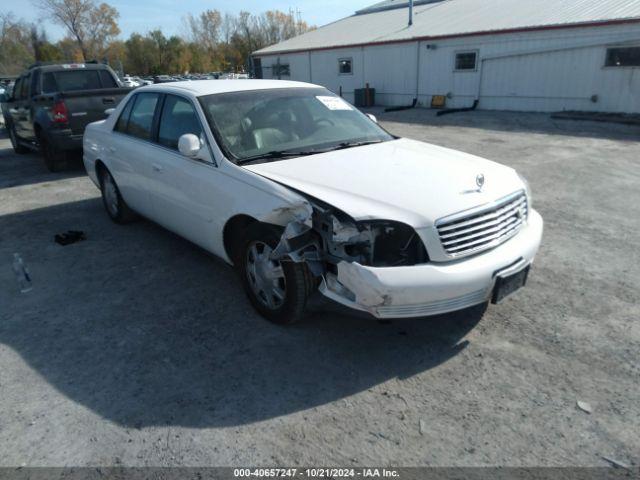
{"x": 418, "y": 72}
{"x": 480, "y": 70}
{"x": 410, "y": 12}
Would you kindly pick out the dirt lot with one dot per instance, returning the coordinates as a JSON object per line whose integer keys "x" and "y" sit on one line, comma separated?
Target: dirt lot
{"x": 137, "y": 348}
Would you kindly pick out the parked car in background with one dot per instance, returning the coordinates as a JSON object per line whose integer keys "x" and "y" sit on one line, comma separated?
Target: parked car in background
{"x": 3, "y": 96}
{"x": 128, "y": 81}
{"x": 51, "y": 105}
{"x": 163, "y": 79}
{"x": 299, "y": 190}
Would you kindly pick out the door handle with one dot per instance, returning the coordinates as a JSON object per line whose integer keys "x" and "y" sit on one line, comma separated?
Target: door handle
{"x": 156, "y": 168}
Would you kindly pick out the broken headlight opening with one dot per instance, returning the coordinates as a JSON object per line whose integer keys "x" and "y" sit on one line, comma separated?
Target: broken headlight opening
{"x": 331, "y": 237}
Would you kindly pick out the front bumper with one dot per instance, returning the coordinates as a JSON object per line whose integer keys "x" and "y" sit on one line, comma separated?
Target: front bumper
{"x": 434, "y": 288}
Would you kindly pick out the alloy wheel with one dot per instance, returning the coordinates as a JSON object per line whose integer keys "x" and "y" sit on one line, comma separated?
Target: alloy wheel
{"x": 266, "y": 276}
{"x": 110, "y": 195}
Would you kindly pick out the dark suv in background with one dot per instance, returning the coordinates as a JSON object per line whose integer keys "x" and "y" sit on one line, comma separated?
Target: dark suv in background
{"x": 50, "y": 105}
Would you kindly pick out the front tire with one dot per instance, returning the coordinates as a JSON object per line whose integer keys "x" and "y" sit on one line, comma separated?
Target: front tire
{"x": 278, "y": 290}
{"x": 19, "y": 149}
{"x": 114, "y": 204}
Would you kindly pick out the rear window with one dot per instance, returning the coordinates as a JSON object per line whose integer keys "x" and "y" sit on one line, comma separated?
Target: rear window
{"x": 74, "y": 80}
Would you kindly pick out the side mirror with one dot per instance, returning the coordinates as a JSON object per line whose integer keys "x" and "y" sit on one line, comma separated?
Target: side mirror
{"x": 189, "y": 145}
{"x": 109, "y": 111}
{"x": 372, "y": 117}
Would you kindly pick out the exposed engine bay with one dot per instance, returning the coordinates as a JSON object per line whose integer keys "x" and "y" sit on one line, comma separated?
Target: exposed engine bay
{"x": 330, "y": 237}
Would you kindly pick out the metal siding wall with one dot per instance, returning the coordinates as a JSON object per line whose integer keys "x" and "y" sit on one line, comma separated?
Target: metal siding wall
{"x": 550, "y": 81}
{"x": 392, "y": 71}
{"x": 324, "y": 70}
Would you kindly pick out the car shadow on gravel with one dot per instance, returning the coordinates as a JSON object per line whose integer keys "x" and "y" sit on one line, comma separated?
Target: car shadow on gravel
{"x": 29, "y": 168}
{"x": 144, "y": 328}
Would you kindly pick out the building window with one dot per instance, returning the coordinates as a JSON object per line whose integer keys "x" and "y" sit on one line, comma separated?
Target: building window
{"x": 344, "y": 66}
{"x": 281, "y": 70}
{"x": 623, "y": 57}
{"x": 466, "y": 61}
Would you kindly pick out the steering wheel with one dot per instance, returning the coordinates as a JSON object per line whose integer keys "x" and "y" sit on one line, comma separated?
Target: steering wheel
{"x": 331, "y": 123}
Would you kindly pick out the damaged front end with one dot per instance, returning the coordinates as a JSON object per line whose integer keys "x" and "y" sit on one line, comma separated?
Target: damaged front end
{"x": 336, "y": 249}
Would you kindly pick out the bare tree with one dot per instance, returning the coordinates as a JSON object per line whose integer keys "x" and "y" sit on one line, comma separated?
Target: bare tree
{"x": 227, "y": 28}
{"x": 205, "y": 29}
{"x": 15, "y": 45}
{"x": 90, "y": 25}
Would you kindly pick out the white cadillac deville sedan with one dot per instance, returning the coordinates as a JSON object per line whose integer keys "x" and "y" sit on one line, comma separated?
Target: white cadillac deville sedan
{"x": 301, "y": 191}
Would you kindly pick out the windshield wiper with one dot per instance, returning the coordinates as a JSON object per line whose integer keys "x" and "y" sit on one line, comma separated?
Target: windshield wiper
{"x": 276, "y": 154}
{"x": 343, "y": 145}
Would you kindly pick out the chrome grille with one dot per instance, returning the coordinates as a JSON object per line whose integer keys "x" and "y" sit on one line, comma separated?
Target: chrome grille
{"x": 479, "y": 229}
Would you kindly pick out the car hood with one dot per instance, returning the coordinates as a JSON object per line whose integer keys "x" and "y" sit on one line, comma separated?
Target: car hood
{"x": 403, "y": 180}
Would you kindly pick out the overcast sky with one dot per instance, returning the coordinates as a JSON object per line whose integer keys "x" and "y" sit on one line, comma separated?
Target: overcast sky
{"x": 144, "y": 15}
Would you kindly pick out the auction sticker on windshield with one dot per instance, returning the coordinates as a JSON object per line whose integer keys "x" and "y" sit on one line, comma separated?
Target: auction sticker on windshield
{"x": 334, "y": 103}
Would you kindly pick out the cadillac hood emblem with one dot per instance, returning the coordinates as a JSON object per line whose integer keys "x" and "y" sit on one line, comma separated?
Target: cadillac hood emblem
{"x": 480, "y": 181}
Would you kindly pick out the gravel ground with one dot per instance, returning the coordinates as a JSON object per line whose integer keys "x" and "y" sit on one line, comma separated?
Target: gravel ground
{"x": 137, "y": 348}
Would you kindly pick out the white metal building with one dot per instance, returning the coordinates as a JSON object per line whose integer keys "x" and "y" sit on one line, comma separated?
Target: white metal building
{"x": 527, "y": 55}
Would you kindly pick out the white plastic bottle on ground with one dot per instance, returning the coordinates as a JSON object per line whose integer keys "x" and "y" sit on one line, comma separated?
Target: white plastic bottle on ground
{"x": 22, "y": 273}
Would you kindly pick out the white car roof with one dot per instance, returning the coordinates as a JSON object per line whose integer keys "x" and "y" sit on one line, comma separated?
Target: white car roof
{"x": 208, "y": 87}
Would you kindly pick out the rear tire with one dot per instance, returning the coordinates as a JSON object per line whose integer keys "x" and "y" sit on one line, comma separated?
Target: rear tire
{"x": 114, "y": 204}
{"x": 54, "y": 159}
{"x": 278, "y": 290}
{"x": 19, "y": 149}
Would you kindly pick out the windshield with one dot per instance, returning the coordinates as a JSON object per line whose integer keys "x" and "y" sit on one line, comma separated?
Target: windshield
{"x": 265, "y": 124}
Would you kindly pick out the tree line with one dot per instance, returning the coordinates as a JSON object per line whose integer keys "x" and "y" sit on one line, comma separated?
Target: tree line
{"x": 211, "y": 40}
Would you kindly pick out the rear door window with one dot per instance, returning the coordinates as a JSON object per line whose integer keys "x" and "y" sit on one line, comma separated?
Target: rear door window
{"x": 178, "y": 117}
{"x": 141, "y": 118}
{"x": 17, "y": 89}
{"x": 123, "y": 120}
{"x": 35, "y": 83}
{"x": 24, "y": 88}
